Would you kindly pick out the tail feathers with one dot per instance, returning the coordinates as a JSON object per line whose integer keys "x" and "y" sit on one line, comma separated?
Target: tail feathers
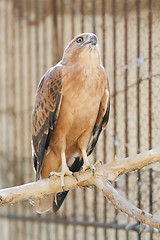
{"x": 59, "y": 198}
{"x": 76, "y": 165}
{"x": 44, "y": 204}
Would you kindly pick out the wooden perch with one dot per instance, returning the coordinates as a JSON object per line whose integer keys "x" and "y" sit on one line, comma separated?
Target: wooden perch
{"x": 103, "y": 174}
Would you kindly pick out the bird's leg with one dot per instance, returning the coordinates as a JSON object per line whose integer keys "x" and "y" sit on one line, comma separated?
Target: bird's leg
{"x": 65, "y": 171}
{"x": 86, "y": 164}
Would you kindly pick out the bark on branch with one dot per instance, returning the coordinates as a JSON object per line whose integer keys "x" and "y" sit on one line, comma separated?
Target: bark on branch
{"x": 103, "y": 174}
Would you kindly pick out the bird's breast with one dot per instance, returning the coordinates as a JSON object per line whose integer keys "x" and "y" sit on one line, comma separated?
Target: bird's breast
{"x": 83, "y": 83}
{"x": 82, "y": 96}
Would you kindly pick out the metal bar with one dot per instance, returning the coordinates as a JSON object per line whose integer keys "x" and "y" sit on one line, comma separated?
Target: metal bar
{"x": 15, "y": 166}
{"x": 14, "y": 94}
{"x": 126, "y": 92}
{"x": 126, "y": 80}
{"x": 103, "y": 3}
{"x": 55, "y": 29}
{"x": 74, "y": 212}
{"x": 150, "y": 70}
{"x": 112, "y": 225}
{"x": 44, "y": 7}
{"x": 29, "y": 65}
{"x": 36, "y": 11}
{"x": 94, "y": 15}
{"x": 72, "y": 21}
{"x": 62, "y": 25}
{"x": 84, "y": 212}
{"x": 114, "y": 74}
{"x": 138, "y": 74}
{"x": 138, "y": 105}
{"x": 82, "y": 18}
{"x": 6, "y": 96}
{"x": 21, "y": 63}
{"x": 150, "y": 101}
{"x": 56, "y": 230}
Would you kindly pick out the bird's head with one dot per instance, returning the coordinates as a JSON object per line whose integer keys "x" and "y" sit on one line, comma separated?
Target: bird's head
{"x": 83, "y": 48}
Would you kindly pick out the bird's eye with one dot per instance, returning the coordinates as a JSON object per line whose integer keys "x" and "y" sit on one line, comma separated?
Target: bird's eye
{"x": 79, "y": 40}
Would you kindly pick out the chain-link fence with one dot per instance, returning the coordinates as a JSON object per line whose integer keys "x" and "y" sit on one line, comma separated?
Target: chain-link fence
{"x": 33, "y": 35}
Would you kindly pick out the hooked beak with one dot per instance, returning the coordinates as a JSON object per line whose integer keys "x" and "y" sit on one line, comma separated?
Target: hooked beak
{"x": 93, "y": 40}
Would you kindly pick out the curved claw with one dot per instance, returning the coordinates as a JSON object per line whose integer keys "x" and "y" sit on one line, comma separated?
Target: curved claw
{"x": 81, "y": 168}
{"x": 74, "y": 176}
{"x": 88, "y": 166}
{"x": 93, "y": 171}
{"x": 63, "y": 188}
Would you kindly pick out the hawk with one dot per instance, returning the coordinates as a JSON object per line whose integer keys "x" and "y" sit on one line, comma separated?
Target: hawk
{"x": 71, "y": 108}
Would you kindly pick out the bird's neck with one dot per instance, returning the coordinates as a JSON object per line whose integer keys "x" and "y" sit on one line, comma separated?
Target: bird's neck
{"x": 84, "y": 58}
{"x": 89, "y": 58}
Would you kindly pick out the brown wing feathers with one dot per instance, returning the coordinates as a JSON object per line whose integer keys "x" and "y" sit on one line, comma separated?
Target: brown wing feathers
{"x": 45, "y": 113}
{"x": 101, "y": 124}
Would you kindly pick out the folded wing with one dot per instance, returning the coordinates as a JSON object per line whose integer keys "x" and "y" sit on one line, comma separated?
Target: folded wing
{"x": 45, "y": 114}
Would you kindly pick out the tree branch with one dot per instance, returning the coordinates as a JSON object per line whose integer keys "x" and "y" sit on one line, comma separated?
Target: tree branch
{"x": 103, "y": 174}
{"x": 125, "y": 206}
{"x": 120, "y": 166}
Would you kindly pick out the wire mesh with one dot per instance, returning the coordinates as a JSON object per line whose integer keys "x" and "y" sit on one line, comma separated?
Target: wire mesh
{"x": 34, "y": 34}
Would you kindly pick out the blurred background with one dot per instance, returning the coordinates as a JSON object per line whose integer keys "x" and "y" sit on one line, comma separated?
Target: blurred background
{"x": 33, "y": 36}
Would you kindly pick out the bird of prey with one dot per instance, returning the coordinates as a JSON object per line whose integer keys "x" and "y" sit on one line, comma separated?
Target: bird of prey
{"x": 71, "y": 108}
